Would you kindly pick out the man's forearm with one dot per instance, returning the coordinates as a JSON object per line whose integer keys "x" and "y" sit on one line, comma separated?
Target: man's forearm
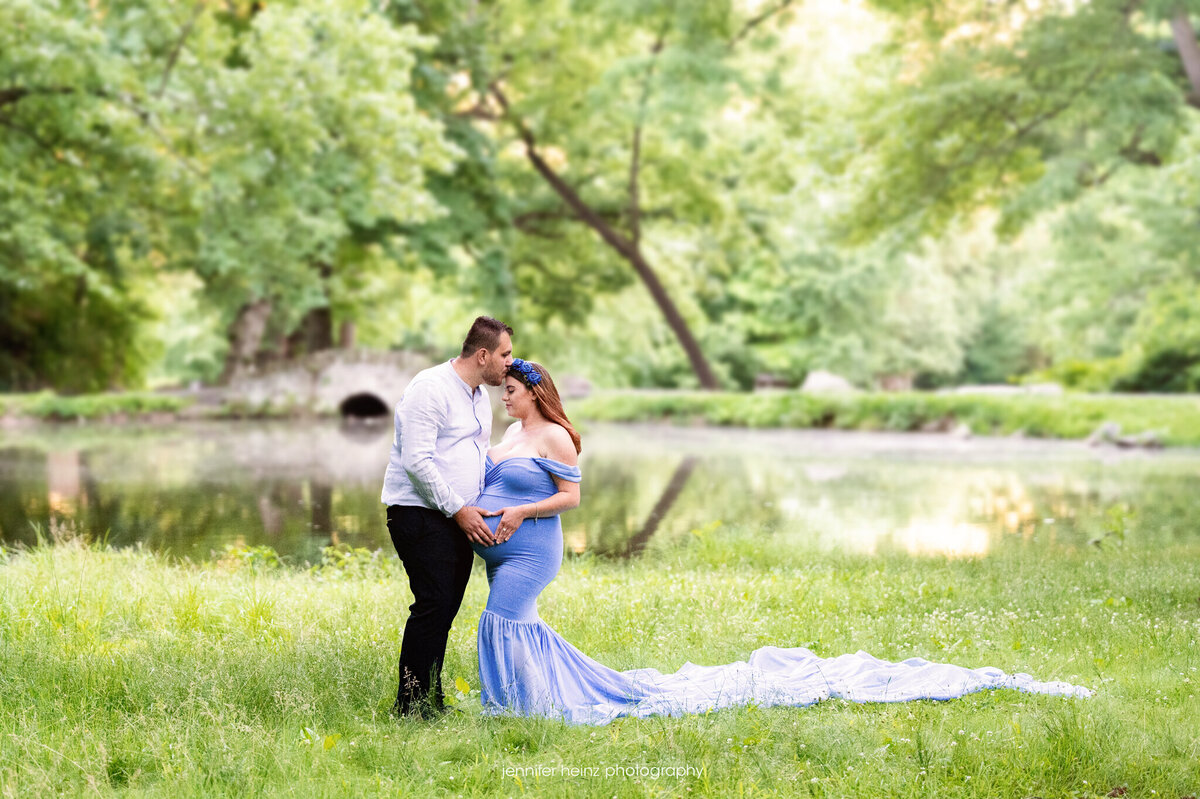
{"x": 433, "y": 488}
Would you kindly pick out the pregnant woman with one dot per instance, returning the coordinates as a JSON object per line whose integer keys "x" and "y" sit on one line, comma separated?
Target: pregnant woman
{"x": 525, "y": 668}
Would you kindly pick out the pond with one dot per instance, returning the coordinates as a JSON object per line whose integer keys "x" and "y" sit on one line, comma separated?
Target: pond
{"x": 190, "y": 490}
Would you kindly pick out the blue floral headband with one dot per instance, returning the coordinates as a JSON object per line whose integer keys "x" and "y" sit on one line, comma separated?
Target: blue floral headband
{"x": 525, "y": 371}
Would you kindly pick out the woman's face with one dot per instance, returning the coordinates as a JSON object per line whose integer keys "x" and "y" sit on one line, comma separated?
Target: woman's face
{"x": 518, "y": 400}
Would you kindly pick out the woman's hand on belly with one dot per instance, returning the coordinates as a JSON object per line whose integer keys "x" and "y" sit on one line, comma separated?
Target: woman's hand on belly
{"x": 510, "y": 519}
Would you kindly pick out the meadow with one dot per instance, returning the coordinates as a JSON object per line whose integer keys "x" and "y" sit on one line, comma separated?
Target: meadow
{"x": 125, "y": 673}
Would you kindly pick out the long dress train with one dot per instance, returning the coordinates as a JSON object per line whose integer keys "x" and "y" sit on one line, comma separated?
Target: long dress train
{"x": 525, "y": 668}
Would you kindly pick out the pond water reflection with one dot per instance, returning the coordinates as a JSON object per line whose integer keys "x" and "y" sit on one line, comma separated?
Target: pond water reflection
{"x": 189, "y": 490}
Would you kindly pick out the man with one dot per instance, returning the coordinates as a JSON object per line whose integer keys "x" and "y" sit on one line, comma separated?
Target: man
{"x": 436, "y": 470}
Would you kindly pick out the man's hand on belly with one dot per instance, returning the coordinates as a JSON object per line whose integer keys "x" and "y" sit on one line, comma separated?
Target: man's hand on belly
{"x": 470, "y": 520}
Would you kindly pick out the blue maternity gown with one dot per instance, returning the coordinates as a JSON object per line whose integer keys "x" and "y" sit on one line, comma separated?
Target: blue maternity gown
{"x": 525, "y": 668}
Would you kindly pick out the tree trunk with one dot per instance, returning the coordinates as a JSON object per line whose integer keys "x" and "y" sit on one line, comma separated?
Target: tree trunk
{"x": 314, "y": 334}
{"x": 633, "y": 254}
{"x": 347, "y": 334}
{"x": 1189, "y": 52}
{"x": 245, "y": 337}
{"x": 626, "y": 249}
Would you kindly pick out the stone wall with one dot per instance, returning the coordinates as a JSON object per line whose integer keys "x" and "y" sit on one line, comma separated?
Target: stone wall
{"x": 321, "y": 382}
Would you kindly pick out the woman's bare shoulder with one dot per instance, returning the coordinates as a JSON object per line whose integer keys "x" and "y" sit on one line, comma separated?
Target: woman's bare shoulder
{"x": 557, "y": 444}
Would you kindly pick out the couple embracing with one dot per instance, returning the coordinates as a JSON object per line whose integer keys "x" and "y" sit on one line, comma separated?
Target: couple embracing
{"x": 450, "y": 497}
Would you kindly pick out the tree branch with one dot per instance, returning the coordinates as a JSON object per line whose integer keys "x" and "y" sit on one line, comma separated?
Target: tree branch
{"x": 183, "y": 35}
{"x": 635, "y": 157}
{"x": 526, "y": 226}
{"x": 756, "y": 21}
{"x": 621, "y": 244}
{"x": 147, "y": 119}
{"x": 612, "y": 215}
{"x": 18, "y": 93}
{"x": 1007, "y": 145}
{"x": 1134, "y": 154}
{"x": 8, "y": 96}
{"x": 576, "y": 203}
{"x": 477, "y": 111}
{"x": 45, "y": 145}
{"x": 13, "y": 95}
{"x": 1189, "y": 52}
{"x": 1131, "y": 153}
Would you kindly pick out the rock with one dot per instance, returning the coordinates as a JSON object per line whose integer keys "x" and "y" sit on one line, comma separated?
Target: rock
{"x": 943, "y": 424}
{"x": 1147, "y": 440}
{"x": 820, "y": 381}
{"x": 1105, "y": 433}
{"x": 962, "y": 430}
{"x": 902, "y": 381}
{"x": 765, "y": 381}
{"x": 1110, "y": 433}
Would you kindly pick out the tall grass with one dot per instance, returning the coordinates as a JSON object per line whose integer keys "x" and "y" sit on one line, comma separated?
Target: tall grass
{"x": 123, "y": 673}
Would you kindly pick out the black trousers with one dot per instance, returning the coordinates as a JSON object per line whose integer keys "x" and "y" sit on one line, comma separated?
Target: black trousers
{"x": 437, "y": 557}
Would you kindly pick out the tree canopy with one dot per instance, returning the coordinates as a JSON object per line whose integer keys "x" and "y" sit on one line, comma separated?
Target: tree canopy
{"x": 659, "y": 193}
{"x": 260, "y": 149}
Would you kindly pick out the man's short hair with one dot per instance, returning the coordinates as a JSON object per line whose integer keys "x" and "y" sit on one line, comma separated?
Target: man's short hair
{"x": 484, "y": 334}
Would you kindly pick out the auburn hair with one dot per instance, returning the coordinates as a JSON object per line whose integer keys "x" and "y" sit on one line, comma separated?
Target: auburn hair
{"x": 549, "y": 403}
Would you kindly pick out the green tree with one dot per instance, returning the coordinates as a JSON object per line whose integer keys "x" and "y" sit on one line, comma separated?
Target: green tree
{"x": 1167, "y": 343}
{"x": 594, "y": 120}
{"x": 1072, "y": 118}
{"x": 270, "y": 150}
{"x": 80, "y": 168}
{"x": 1015, "y": 109}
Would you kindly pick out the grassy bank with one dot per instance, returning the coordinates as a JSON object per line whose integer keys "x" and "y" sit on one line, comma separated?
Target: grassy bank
{"x": 1175, "y": 419}
{"x": 47, "y": 406}
{"x": 115, "y": 407}
{"x": 122, "y": 673}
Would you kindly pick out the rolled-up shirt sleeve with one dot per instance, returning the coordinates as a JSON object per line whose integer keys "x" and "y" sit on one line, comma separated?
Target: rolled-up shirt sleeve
{"x": 421, "y": 414}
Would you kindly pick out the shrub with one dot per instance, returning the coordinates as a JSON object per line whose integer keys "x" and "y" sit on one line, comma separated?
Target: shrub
{"x": 1168, "y": 339}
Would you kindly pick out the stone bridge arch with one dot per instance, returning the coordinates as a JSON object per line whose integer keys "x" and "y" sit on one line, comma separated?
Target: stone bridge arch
{"x": 358, "y": 383}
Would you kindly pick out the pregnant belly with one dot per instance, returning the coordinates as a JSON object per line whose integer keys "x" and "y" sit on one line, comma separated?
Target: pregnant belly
{"x": 536, "y": 539}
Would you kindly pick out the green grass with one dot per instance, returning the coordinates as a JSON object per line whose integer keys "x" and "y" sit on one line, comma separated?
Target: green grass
{"x": 48, "y": 406}
{"x": 123, "y": 673}
{"x": 1175, "y": 418}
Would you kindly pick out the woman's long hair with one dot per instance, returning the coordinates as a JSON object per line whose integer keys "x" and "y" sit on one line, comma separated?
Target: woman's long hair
{"x": 549, "y": 403}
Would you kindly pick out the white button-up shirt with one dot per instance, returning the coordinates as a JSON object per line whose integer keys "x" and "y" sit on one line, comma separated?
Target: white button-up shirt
{"x": 443, "y": 428}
